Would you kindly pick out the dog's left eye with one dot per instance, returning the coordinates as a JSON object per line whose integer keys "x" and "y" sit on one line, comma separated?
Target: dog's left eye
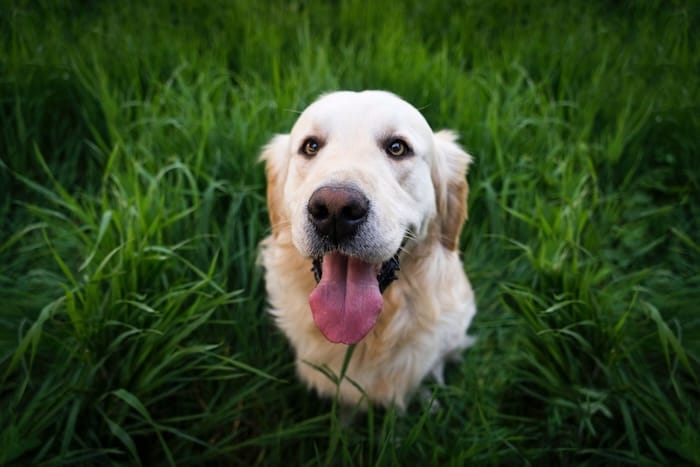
{"x": 310, "y": 147}
{"x": 397, "y": 148}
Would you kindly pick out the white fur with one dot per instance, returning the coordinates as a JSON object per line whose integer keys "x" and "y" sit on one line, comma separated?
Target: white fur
{"x": 418, "y": 199}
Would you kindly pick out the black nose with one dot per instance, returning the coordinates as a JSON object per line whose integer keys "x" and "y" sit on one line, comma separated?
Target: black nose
{"x": 338, "y": 211}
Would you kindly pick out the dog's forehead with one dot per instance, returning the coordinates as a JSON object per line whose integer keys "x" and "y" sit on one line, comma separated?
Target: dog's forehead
{"x": 378, "y": 111}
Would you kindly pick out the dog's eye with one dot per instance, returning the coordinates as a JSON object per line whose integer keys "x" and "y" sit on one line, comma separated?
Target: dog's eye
{"x": 397, "y": 148}
{"x": 310, "y": 147}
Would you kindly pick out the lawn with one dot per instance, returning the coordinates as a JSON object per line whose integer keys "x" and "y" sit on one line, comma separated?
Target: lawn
{"x": 133, "y": 328}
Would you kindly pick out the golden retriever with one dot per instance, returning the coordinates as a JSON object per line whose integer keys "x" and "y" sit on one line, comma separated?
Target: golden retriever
{"x": 367, "y": 205}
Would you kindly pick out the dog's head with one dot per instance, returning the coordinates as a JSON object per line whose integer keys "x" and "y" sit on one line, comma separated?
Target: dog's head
{"x": 359, "y": 176}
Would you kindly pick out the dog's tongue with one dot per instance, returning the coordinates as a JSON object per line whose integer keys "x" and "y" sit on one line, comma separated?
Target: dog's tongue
{"x": 346, "y": 302}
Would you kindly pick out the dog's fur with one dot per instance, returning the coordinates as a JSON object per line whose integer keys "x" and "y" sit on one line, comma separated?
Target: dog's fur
{"x": 417, "y": 206}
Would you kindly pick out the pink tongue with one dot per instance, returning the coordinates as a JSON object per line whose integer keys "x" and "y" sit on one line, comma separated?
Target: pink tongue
{"x": 347, "y": 301}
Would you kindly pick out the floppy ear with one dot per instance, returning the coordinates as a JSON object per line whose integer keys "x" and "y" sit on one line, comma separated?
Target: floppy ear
{"x": 276, "y": 162}
{"x": 451, "y": 188}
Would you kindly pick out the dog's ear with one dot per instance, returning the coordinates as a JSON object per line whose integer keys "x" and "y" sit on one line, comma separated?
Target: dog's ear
{"x": 276, "y": 163}
{"x": 451, "y": 188}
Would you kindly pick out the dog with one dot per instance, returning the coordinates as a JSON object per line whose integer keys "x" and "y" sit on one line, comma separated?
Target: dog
{"x": 366, "y": 205}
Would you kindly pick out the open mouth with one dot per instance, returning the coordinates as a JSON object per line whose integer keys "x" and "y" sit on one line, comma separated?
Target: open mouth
{"x": 348, "y": 296}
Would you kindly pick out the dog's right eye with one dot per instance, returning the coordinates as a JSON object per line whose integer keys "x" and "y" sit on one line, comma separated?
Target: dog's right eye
{"x": 310, "y": 147}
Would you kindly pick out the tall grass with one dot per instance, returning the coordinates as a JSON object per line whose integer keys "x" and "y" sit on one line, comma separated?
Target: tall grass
{"x": 133, "y": 326}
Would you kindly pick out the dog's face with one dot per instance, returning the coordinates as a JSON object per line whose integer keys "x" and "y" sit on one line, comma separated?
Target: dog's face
{"x": 360, "y": 175}
{"x": 372, "y": 152}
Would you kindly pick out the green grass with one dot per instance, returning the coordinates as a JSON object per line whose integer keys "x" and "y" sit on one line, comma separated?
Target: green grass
{"x": 133, "y": 326}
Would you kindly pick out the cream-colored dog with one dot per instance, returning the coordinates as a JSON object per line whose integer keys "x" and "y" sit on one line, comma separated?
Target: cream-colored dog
{"x": 366, "y": 205}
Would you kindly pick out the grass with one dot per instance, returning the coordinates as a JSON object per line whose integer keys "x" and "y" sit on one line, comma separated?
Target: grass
{"x": 133, "y": 328}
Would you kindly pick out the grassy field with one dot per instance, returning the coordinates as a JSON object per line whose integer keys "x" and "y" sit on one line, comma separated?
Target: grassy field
{"x": 132, "y": 312}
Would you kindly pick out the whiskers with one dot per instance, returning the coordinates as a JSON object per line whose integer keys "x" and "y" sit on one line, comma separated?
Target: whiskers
{"x": 410, "y": 238}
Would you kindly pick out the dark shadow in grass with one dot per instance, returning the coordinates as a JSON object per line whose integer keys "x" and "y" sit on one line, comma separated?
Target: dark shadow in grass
{"x": 45, "y": 109}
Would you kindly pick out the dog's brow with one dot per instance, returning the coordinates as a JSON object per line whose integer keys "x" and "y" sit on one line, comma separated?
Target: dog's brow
{"x": 389, "y": 132}
{"x": 392, "y": 133}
